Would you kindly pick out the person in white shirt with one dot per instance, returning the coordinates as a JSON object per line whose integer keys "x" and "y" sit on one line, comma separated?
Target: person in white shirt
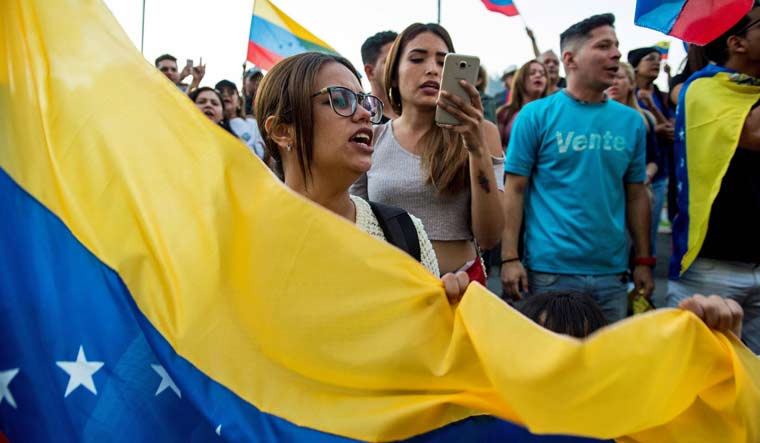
{"x": 246, "y": 129}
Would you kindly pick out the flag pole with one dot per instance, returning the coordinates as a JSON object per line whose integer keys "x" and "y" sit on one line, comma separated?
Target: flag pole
{"x": 439, "y": 12}
{"x": 245, "y": 63}
{"x": 142, "y": 32}
{"x": 522, "y": 19}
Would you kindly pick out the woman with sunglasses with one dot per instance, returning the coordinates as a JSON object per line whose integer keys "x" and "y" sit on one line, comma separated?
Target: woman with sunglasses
{"x": 449, "y": 176}
{"x": 317, "y": 128}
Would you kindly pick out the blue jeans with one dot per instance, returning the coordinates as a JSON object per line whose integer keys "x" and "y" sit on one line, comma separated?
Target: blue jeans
{"x": 610, "y": 291}
{"x": 658, "y": 190}
{"x": 736, "y": 280}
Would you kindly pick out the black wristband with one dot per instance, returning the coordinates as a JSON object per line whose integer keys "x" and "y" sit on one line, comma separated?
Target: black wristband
{"x": 508, "y": 260}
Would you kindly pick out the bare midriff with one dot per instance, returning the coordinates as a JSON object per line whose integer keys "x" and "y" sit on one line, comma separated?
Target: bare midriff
{"x": 452, "y": 255}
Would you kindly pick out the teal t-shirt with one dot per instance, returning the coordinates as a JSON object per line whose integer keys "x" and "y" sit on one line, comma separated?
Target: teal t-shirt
{"x": 579, "y": 156}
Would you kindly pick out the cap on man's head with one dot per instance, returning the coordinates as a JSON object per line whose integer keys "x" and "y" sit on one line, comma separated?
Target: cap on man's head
{"x": 635, "y": 55}
{"x": 511, "y": 69}
{"x": 226, "y": 84}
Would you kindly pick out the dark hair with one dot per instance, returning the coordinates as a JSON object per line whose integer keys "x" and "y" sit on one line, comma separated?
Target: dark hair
{"x": 581, "y": 31}
{"x": 253, "y": 72}
{"x": 717, "y": 50}
{"x": 193, "y": 95}
{"x": 575, "y": 314}
{"x": 372, "y": 46}
{"x": 444, "y": 158}
{"x": 285, "y": 94}
{"x": 165, "y": 57}
{"x": 695, "y": 60}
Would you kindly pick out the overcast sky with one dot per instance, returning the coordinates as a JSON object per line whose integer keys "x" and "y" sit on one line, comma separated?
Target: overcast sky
{"x": 218, "y": 30}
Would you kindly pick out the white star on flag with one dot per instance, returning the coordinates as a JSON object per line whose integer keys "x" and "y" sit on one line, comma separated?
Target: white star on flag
{"x": 80, "y": 372}
{"x": 166, "y": 381}
{"x": 5, "y": 391}
{"x": 219, "y": 430}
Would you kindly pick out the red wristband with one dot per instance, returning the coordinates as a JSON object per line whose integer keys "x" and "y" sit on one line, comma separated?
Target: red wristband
{"x": 646, "y": 261}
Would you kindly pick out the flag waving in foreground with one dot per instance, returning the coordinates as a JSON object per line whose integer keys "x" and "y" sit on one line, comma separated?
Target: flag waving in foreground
{"x": 506, "y": 7}
{"x": 716, "y": 101}
{"x": 158, "y": 283}
{"x": 693, "y": 21}
{"x": 274, "y": 36}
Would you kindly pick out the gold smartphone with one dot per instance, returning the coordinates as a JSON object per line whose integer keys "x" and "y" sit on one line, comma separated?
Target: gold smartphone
{"x": 456, "y": 67}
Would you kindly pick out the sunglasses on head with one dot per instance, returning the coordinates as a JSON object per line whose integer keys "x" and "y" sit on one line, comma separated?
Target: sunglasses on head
{"x": 345, "y": 102}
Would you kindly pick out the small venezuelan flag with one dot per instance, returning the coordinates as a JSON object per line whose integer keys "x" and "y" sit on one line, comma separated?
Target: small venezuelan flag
{"x": 506, "y": 7}
{"x": 274, "y": 36}
{"x": 663, "y": 48}
{"x": 693, "y": 21}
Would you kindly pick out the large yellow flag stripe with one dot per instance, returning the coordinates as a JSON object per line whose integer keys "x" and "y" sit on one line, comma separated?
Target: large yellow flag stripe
{"x": 295, "y": 310}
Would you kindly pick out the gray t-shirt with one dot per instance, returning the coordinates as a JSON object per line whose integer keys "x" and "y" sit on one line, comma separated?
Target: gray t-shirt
{"x": 396, "y": 179}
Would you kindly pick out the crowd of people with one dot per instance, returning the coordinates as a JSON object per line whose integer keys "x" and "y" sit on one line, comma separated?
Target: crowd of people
{"x": 556, "y": 183}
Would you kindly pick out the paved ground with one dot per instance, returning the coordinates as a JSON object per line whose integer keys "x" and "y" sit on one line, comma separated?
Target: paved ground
{"x": 661, "y": 272}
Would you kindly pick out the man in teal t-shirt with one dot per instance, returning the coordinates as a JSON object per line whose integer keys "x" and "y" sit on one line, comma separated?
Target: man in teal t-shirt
{"x": 576, "y": 169}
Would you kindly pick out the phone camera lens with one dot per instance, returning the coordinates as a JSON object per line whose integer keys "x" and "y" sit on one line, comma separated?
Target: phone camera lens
{"x": 462, "y": 65}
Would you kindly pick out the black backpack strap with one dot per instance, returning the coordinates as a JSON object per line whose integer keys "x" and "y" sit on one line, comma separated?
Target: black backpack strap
{"x": 398, "y": 228}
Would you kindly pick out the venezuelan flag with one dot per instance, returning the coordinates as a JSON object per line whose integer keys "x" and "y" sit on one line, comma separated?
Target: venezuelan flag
{"x": 693, "y": 21}
{"x": 506, "y": 7}
{"x": 663, "y": 48}
{"x": 716, "y": 101}
{"x": 274, "y": 36}
{"x": 158, "y": 283}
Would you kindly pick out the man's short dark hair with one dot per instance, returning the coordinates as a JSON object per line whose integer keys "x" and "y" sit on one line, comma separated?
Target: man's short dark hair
{"x": 165, "y": 57}
{"x": 581, "y": 31}
{"x": 717, "y": 50}
{"x": 372, "y": 46}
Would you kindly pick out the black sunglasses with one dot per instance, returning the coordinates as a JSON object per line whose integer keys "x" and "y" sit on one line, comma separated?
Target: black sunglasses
{"x": 344, "y": 102}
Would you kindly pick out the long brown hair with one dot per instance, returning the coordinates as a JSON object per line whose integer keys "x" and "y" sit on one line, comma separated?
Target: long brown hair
{"x": 444, "y": 157}
{"x": 285, "y": 93}
{"x": 518, "y": 93}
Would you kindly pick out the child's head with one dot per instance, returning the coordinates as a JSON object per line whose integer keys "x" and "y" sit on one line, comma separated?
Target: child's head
{"x": 571, "y": 313}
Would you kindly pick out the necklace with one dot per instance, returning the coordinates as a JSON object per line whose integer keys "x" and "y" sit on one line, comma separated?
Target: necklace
{"x": 604, "y": 98}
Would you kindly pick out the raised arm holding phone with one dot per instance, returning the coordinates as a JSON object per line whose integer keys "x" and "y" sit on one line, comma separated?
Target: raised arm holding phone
{"x": 198, "y": 73}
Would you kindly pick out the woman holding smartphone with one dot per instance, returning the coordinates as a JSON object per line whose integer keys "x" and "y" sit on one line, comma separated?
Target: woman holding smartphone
{"x": 316, "y": 123}
{"x": 450, "y": 176}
